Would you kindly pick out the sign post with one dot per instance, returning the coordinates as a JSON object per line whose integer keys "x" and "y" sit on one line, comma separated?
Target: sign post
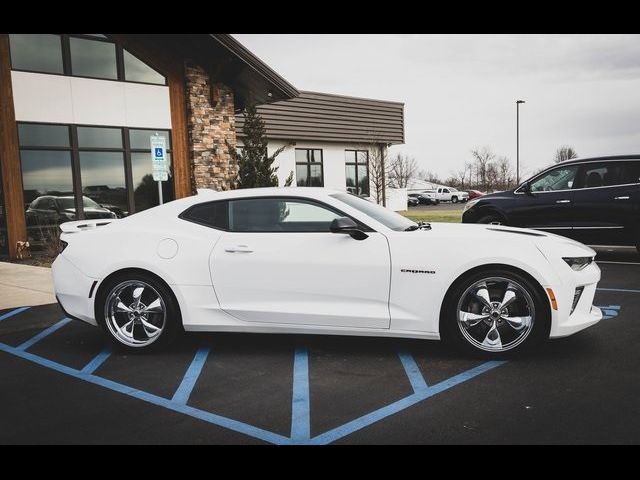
{"x": 159, "y": 162}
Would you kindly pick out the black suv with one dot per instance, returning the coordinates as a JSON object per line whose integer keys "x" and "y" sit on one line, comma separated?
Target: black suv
{"x": 594, "y": 200}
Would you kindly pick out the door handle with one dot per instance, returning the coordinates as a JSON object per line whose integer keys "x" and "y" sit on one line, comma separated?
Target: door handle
{"x": 621, "y": 198}
{"x": 238, "y": 249}
{"x": 563, "y": 201}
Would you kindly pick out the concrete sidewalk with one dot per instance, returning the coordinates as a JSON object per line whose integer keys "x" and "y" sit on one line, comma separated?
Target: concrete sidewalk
{"x": 24, "y": 285}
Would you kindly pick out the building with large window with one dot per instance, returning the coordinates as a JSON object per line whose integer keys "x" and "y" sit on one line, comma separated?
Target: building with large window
{"x": 77, "y": 113}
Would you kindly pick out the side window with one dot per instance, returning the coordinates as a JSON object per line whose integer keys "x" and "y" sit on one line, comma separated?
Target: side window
{"x": 445, "y": 190}
{"x": 631, "y": 172}
{"x": 608, "y": 174}
{"x": 212, "y": 214}
{"x": 279, "y": 215}
{"x": 562, "y": 178}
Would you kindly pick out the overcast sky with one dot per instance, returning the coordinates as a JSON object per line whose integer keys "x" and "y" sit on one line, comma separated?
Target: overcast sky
{"x": 459, "y": 91}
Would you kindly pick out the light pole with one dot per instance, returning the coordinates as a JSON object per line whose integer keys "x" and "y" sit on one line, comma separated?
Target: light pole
{"x": 518, "y": 102}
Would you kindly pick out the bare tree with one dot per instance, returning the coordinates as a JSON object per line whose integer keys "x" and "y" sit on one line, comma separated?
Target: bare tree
{"x": 430, "y": 177}
{"x": 402, "y": 169}
{"x": 505, "y": 173}
{"x": 460, "y": 177}
{"x": 482, "y": 158}
{"x": 565, "y": 153}
{"x": 379, "y": 172}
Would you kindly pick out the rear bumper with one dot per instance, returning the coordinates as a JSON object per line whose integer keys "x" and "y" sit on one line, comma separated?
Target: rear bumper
{"x": 72, "y": 289}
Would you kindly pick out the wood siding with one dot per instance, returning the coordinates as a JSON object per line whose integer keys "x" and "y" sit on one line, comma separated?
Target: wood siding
{"x": 332, "y": 118}
{"x": 10, "y": 155}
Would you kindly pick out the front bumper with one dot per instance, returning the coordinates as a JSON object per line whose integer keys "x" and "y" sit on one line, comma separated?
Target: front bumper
{"x": 564, "y": 322}
{"x": 72, "y": 288}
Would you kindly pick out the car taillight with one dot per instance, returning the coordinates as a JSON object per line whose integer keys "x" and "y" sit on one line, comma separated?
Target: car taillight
{"x": 576, "y": 298}
{"x": 62, "y": 245}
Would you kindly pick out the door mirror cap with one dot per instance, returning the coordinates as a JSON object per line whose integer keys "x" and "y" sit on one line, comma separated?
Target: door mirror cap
{"x": 526, "y": 188}
{"x": 348, "y": 226}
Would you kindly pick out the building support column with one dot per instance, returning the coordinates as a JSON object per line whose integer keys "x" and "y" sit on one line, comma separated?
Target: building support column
{"x": 10, "y": 155}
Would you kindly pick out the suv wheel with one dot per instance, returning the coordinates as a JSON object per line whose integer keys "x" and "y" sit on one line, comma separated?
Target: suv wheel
{"x": 454, "y": 199}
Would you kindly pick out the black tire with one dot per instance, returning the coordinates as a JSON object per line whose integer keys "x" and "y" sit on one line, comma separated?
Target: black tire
{"x": 491, "y": 218}
{"x": 171, "y": 323}
{"x": 537, "y": 331}
{"x": 454, "y": 199}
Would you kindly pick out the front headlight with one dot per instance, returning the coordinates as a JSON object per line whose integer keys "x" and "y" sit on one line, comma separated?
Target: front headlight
{"x": 470, "y": 204}
{"x": 578, "y": 263}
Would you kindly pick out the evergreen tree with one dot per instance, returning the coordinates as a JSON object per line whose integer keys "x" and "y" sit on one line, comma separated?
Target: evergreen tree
{"x": 255, "y": 166}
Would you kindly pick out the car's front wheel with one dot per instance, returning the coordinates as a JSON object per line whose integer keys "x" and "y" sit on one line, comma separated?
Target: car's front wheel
{"x": 138, "y": 312}
{"x": 495, "y": 312}
{"x": 454, "y": 199}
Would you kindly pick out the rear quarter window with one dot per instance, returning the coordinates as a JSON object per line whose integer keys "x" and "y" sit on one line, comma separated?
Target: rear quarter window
{"x": 211, "y": 214}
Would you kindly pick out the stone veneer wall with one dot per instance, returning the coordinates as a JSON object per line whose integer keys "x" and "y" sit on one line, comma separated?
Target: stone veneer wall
{"x": 211, "y": 121}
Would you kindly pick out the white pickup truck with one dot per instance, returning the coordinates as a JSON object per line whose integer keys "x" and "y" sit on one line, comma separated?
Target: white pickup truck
{"x": 449, "y": 194}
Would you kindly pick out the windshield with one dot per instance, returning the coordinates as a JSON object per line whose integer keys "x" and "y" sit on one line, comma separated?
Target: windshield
{"x": 68, "y": 203}
{"x": 383, "y": 215}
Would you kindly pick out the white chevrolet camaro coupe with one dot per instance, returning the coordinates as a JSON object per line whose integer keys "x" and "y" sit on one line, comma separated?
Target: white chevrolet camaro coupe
{"x": 311, "y": 260}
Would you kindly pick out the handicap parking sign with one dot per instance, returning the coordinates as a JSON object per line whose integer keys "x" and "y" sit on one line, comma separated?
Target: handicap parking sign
{"x": 159, "y": 153}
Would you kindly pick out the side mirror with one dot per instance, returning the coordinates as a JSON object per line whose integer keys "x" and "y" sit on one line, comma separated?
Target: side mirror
{"x": 526, "y": 188}
{"x": 348, "y": 226}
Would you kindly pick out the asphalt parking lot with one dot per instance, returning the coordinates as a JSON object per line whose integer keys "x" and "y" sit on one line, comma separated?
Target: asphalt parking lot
{"x": 60, "y": 384}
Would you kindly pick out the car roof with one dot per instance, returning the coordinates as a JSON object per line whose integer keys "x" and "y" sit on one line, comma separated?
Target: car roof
{"x": 311, "y": 192}
{"x": 574, "y": 161}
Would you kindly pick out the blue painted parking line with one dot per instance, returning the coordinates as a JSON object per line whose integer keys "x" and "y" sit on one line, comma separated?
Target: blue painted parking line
{"x": 609, "y": 311}
{"x": 221, "y": 421}
{"x": 13, "y": 312}
{"x": 98, "y": 360}
{"x": 412, "y": 370}
{"x": 191, "y": 377}
{"x": 403, "y": 404}
{"x": 300, "y": 418}
{"x": 43, "y": 334}
{"x": 300, "y": 407}
{"x": 622, "y": 290}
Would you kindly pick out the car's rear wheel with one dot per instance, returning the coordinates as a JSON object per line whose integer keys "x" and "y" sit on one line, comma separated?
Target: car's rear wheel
{"x": 494, "y": 313}
{"x": 138, "y": 312}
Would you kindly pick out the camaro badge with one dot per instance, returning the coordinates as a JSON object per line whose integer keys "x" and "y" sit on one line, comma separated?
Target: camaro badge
{"x": 408, "y": 270}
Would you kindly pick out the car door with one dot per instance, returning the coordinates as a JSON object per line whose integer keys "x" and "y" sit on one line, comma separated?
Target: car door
{"x": 606, "y": 202}
{"x": 548, "y": 204}
{"x": 278, "y": 263}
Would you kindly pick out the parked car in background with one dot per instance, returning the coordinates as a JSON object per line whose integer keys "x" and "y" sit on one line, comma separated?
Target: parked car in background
{"x": 474, "y": 194}
{"x": 425, "y": 198}
{"x": 49, "y": 211}
{"x": 594, "y": 200}
{"x": 412, "y": 201}
{"x": 449, "y": 194}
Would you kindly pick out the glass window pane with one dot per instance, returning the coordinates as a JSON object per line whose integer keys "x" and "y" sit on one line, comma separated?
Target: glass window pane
{"x": 36, "y": 52}
{"x": 32, "y": 135}
{"x": 351, "y": 178}
{"x": 301, "y": 156}
{"x": 141, "y": 139}
{"x": 102, "y": 175}
{"x": 47, "y": 180}
{"x": 362, "y": 156}
{"x": 315, "y": 156}
{"x": 93, "y": 59}
{"x": 136, "y": 70}
{"x": 95, "y": 137}
{"x": 213, "y": 214}
{"x": 363, "y": 180}
{"x": 278, "y": 215}
{"x": 145, "y": 189}
{"x": 316, "y": 176}
{"x": 349, "y": 156}
{"x": 631, "y": 172}
{"x": 301, "y": 175}
{"x": 557, "y": 179}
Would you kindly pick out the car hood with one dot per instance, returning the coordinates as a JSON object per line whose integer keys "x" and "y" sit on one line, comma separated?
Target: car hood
{"x": 91, "y": 212}
{"x": 546, "y": 242}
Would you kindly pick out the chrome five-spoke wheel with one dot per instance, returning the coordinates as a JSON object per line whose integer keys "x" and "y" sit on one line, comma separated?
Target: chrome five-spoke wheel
{"x": 135, "y": 313}
{"x": 495, "y": 314}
